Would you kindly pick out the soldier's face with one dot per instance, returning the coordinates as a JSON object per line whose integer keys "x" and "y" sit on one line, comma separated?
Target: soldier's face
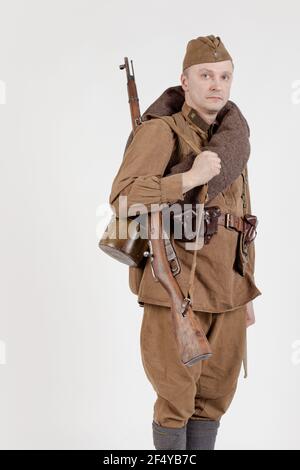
{"x": 207, "y": 86}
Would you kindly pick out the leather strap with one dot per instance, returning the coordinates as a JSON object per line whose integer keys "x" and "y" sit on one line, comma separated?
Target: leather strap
{"x": 190, "y": 289}
{"x": 202, "y": 196}
{"x": 245, "y": 208}
{"x": 232, "y": 221}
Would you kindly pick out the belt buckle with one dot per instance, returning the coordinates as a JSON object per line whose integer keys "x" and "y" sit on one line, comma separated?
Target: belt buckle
{"x": 227, "y": 221}
{"x": 184, "y": 306}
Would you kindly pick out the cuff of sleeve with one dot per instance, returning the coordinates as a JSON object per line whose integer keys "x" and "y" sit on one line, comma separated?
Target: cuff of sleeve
{"x": 171, "y": 188}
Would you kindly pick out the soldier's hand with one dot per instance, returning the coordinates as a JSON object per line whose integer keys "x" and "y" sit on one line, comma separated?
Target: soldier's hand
{"x": 206, "y": 165}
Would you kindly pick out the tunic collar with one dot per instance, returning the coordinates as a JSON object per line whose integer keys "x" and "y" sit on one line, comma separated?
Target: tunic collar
{"x": 194, "y": 118}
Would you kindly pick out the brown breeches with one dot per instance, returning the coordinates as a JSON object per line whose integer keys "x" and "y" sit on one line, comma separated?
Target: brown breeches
{"x": 204, "y": 390}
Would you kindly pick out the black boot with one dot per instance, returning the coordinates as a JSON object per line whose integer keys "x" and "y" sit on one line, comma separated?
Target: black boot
{"x": 201, "y": 434}
{"x": 168, "y": 438}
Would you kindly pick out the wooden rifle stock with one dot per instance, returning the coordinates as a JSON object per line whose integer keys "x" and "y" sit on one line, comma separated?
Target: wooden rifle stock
{"x": 191, "y": 339}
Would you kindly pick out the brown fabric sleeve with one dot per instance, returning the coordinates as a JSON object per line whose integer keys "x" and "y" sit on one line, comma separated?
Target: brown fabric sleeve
{"x": 140, "y": 176}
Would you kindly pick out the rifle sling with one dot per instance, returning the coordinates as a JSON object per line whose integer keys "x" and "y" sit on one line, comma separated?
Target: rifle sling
{"x": 203, "y": 194}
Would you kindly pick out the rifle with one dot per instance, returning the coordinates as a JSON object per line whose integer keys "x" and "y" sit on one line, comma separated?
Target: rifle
{"x": 191, "y": 340}
{"x": 133, "y": 98}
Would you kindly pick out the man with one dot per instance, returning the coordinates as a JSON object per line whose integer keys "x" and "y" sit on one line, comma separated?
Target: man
{"x": 191, "y": 400}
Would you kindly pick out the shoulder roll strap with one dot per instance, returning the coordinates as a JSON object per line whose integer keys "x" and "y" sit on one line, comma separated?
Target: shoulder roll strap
{"x": 244, "y": 195}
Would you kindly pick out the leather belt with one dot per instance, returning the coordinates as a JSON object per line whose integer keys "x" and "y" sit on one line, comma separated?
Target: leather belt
{"x": 213, "y": 217}
{"x": 231, "y": 221}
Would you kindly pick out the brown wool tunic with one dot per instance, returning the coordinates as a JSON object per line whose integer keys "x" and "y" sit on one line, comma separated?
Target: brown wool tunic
{"x": 218, "y": 287}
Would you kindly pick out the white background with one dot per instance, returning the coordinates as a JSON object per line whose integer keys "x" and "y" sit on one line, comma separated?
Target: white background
{"x": 71, "y": 376}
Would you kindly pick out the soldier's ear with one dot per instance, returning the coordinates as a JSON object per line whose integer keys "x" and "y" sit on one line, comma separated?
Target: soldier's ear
{"x": 183, "y": 80}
